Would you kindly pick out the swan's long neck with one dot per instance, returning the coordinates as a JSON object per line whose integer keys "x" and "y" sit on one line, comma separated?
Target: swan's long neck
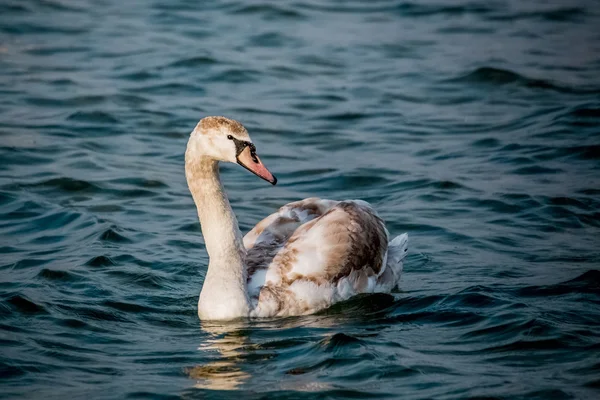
{"x": 223, "y": 294}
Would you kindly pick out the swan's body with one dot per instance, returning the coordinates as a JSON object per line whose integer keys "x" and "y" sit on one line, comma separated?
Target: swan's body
{"x": 305, "y": 257}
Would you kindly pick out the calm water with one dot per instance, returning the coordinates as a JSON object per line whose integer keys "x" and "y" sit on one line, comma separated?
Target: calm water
{"x": 473, "y": 125}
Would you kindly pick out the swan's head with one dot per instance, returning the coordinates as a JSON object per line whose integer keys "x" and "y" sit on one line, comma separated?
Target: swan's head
{"x": 223, "y": 139}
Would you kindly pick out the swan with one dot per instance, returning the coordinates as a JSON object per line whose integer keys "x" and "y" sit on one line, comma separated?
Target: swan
{"x": 301, "y": 259}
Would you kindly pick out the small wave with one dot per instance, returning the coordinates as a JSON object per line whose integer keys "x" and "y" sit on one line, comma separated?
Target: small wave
{"x": 55, "y": 50}
{"x": 478, "y": 297}
{"x": 93, "y": 116}
{"x": 416, "y": 9}
{"x": 22, "y": 304}
{"x": 346, "y": 116}
{"x": 128, "y": 307}
{"x": 487, "y": 143}
{"x": 440, "y": 317}
{"x": 559, "y": 14}
{"x": 586, "y": 112}
{"x": 529, "y": 345}
{"x": 57, "y": 275}
{"x": 506, "y": 326}
{"x": 269, "y": 11}
{"x": 147, "y": 280}
{"x": 497, "y": 76}
{"x": 169, "y": 88}
{"x": 536, "y": 170}
{"x": 236, "y": 75}
{"x": 100, "y": 261}
{"x": 93, "y": 313}
{"x": 198, "y": 61}
{"x": 27, "y": 263}
{"x": 138, "y": 76}
{"x": 66, "y": 185}
{"x": 361, "y": 305}
{"x": 580, "y": 117}
{"x": 13, "y": 8}
{"x": 404, "y": 8}
{"x": 140, "y": 182}
{"x": 111, "y": 235}
{"x": 272, "y": 39}
{"x": 441, "y": 185}
{"x": 339, "y": 340}
{"x": 355, "y": 181}
{"x": 588, "y": 282}
{"x": 42, "y": 28}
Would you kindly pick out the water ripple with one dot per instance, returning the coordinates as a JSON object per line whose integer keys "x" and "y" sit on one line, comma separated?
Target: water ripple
{"x": 472, "y": 125}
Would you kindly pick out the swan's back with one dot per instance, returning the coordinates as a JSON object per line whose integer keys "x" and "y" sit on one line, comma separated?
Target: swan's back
{"x": 313, "y": 253}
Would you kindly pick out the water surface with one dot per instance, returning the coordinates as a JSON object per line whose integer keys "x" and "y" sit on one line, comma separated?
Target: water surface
{"x": 472, "y": 125}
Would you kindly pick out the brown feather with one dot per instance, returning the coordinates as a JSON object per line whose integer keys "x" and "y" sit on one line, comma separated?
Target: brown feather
{"x": 217, "y": 123}
{"x": 352, "y": 244}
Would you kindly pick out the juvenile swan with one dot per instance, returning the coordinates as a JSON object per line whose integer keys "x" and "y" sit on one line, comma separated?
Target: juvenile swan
{"x": 305, "y": 257}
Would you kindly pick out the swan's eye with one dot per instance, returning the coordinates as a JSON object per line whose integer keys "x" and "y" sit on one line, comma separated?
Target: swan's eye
{"x": 229, "y": 137}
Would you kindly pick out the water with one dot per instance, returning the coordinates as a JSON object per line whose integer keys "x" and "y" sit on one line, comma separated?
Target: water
{"x": 472, "y": 125}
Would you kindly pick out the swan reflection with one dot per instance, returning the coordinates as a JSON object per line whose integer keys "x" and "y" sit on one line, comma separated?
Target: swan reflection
{"x": 229, "y": 347}
{"x": 226, "y": 342}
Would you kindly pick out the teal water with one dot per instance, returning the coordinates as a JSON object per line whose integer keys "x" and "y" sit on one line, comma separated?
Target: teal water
{"x": 472, "y": 125}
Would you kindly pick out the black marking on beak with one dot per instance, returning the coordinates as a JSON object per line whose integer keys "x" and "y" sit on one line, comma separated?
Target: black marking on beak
{"x": 240, "y": 145}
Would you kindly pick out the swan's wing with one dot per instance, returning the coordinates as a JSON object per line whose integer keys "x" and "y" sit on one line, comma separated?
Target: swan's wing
{"x": 329, "y": 258}
{"x": 268, "y": 237}
{"x": 280, "y": 225}
{"x": 390, "y": 277}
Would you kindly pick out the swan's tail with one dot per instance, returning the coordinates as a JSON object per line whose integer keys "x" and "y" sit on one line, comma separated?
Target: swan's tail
{"x": 397, "y": 250}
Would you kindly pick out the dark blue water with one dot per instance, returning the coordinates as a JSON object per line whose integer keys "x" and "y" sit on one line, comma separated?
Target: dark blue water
{"x": 472, "y": 125}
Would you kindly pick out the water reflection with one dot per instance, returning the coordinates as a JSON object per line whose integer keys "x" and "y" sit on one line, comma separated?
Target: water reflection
{"x": 226, "y": 341}
{"x": 230, "y": 348}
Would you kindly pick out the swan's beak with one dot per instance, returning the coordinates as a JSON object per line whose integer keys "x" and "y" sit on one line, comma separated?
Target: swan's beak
{"x": 248, "y": 159}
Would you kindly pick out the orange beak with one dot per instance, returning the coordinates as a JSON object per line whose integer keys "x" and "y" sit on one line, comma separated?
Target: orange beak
{"x": 248, "y": 159}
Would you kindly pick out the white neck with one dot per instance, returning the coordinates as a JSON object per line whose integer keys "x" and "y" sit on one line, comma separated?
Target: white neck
{"x": 223, "y": 294}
